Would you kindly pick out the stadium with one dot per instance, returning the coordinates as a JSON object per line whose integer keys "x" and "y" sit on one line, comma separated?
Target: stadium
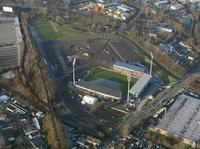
{"x": 113, "y": 83}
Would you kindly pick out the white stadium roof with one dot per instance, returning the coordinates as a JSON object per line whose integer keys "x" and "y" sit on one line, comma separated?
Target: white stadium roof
{"x": 140, "y": 84}
{"x": 129, "y": 67}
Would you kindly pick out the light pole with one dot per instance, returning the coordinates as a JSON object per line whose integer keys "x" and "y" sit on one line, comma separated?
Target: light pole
{"x": 74, "y": 62}
{"x": 151, "y": 64}
{"x": 129, "y": 80}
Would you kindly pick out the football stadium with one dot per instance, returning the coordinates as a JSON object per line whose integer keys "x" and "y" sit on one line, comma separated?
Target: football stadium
{"x": 113, "y": 83}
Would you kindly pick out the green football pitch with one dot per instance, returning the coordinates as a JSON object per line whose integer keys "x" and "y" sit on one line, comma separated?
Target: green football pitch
{"x": 111, "y": 75}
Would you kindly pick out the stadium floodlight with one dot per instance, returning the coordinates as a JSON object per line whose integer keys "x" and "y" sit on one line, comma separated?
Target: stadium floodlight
{"x": 74, "y": 62}
{"x": 151, "y": 64}
{"x": 129, "y": 80}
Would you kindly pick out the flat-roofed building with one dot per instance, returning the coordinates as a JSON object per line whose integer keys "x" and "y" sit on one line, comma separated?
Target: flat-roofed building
{"x": 11, "y": 43}
{"x": 8, "y": 9}
{"x": 182, "y": 119}
{"x": 176, "y": 6}
{"x": 140, "y": 85}
{"x": 99, "y": 90}
{"x": 125, "y": 69}
{"x": 89, "y": 100}
{"x": 161, "y": 3}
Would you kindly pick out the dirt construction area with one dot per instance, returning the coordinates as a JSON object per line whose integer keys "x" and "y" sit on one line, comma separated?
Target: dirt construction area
{"x": 88, "y": 53}
{"x": 126, "y": 50}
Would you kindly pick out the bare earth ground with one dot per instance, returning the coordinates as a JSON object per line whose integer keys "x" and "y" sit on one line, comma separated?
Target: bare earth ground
{"x": 127, "y": 50}
{"x": 58, "y": 51}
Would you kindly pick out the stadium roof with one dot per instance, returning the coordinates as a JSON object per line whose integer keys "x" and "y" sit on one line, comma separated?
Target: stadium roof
{"x": 129, "y": 67}
{"x": 138, "y": 87}
{"x": 99, "y": 89}
{"x": 183, "y": 118}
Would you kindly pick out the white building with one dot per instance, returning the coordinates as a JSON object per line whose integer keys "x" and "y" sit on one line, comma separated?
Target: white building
{"x": 176, "y": 6}
{"x": 4, "y": 99}
{"x": 11, "y": 42}
{"x": 165, "y": 29}
{"x": 140, "y": 85}
{"x": 161, "y": 3}
{"x": 7, "y": 9}
{"x": 194, "y": 1}
{"x": 89, "y": 100}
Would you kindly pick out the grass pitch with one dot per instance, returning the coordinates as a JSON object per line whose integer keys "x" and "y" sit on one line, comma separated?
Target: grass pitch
{"x": 50, "y": 30}
{"x": 113, "y": 76}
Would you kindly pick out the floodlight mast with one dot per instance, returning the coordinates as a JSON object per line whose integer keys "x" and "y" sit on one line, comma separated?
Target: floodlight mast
{"x": 74, "y": 62}
{"x": 129, "y": 80}
{"x": 151, "y": 64}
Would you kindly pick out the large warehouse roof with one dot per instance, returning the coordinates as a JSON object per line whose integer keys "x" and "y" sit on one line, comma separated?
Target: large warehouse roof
{"x": 115, "y": 94}
{"x": 129, "y": 67}
{"x": 140, "y": 84}
{"x": 10, "y": 42}
{"x": 183, "y": 118}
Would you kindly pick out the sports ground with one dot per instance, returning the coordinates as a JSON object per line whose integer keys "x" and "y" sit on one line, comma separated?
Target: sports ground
{"x": 118, "y": 81}
{"x": 50, "y": 30}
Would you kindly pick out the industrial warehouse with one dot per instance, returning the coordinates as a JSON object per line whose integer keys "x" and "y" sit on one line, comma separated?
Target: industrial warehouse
{"x": 11, "y": 44}
{"x": 182, "y": 119}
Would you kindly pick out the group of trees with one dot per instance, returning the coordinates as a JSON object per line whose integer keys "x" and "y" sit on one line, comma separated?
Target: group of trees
{"x": 167, "y": 140}
{"x": 194, "y": 84}
{"x": 125, "y": 130}
{"x": 168, "y": 63}
{"x": 35, "y": 78}
{"x": 163, "y": 59}
{"x": 55, "y": 132}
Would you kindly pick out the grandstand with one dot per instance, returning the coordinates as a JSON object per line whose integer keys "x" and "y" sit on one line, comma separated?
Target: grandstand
{"x": 99, "y": 90}
{"x": 182, "y": 119}
{"x": 133, "y": 70}
{"x": 114, "y": 84}
{"x": 11, "y": 43}
{"x": 140, "y": 85}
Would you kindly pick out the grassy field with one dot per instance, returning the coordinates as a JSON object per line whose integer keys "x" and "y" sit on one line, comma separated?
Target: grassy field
{"x": 113, "y": 76}
{"x": 50, "y": 30}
